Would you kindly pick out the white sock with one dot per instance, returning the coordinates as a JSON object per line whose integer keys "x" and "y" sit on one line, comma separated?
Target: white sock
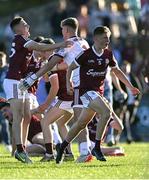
{"x": 56, "y": 137}
{"x": 84, "y": 148}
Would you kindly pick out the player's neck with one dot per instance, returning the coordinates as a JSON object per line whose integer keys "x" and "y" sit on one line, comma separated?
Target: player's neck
{"x": 71, "y": 35}
{"x": 98, "y": 49}
{"x": 23, "y": 35}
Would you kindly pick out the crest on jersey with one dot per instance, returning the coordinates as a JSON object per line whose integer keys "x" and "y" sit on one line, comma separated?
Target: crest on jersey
{"x": 107, "y": 61}
{"x": 99, "y": 61}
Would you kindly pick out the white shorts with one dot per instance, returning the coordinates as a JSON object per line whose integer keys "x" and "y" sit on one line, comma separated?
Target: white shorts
{"x": 12, "y": 91}
{"x": 33, "y": 101}
{"x": 65, "y": 105}
{"x": 88, "y": 97}
{"x": 76, "y": 99}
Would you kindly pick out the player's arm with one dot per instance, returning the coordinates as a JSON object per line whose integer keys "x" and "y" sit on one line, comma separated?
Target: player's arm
{"x": 59, "y": 67}
{"x": 122, "y": 77}
{"x": 116, "y": 83}
{"x": 72, "y": 66}
{"x": 52, "y": 94}
{"x": 32, "y": 45}
{"x": 27, "y": 82}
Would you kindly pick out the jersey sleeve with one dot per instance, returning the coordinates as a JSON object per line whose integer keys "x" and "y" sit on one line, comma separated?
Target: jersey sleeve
{"x": 61, "y": 52}
{"x": 80, "y": 59}
{"x": 113, "y": 62}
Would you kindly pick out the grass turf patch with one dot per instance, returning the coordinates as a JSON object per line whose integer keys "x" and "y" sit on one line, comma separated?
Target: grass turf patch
{"x": 134, "y": 165}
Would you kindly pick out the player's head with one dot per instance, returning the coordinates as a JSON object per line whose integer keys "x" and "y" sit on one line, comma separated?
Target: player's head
{"x": 19, "y": 26}
{"x": 38, "y": 38}
{"x": 46, "y": 54}
{"x": 48, "y": 41}
{"x": 101, "y": 36}
{"x": 69, "y": 27}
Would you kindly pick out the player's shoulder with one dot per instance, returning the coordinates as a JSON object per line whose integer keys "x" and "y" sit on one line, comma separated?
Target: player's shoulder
{"x": 108, "y": 51}
{"x": 85, "y": 53}
{"x": 19, "y": 38}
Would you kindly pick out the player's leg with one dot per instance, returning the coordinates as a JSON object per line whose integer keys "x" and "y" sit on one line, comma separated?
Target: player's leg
{"x": 84, "y": 118}
{"x": 83, "y": 137}
{"x": 38, "y": 139}
{"x": 83, "y": 140}
{"x": 63, "y": 130}
{"x": 26, "y": 120}
{"x": 50, "y": 117}
{"x": 16, "y": 106}
{"x": 16, "y": 99}
{"x": 101, "y": 107}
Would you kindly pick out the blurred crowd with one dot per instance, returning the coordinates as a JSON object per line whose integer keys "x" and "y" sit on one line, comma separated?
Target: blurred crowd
{"x": 129, "y": 24}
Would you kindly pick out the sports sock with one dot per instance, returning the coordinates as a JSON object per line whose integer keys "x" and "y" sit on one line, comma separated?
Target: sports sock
{"x": 64, "y": 145}
{"x": 49, "y": 148}
{"x": 97, "y": 145}
{"x": 84, "y": 148}
{"x": 20, "y": 148}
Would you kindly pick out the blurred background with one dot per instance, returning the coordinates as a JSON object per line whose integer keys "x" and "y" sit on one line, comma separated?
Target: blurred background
{"x": 129, "y": 23}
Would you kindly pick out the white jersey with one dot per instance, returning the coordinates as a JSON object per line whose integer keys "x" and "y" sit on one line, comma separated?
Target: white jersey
{"x": 69, "y": 55}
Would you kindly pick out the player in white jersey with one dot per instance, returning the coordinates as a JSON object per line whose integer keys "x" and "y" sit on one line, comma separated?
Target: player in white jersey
{"x": 69, "y": 31}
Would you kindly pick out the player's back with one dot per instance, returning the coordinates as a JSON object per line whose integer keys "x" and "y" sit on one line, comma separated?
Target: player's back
{"x": 69, "y": 55}
{"x": 78, "y": 47}
{"x": 19, "y": 58}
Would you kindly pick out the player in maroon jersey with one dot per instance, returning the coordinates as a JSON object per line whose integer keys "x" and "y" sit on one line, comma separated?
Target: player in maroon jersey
{"x": 93, "y": 65}
{"x": 70, "y": 32}
{"x": 20, "y": 58}
{"x": 61, "y": 110}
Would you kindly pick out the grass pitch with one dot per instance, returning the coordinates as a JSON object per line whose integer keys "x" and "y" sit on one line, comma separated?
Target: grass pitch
{"x": 134, "y": 165}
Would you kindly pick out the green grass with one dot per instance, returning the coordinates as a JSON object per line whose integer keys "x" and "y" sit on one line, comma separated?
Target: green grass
{"x": 135, "y": 165}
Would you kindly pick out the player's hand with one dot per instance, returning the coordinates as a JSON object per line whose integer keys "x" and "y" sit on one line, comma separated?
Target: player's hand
{"x": 42, "y": 107}
{"x": 135, "y": 91}
{"x": 27, "y": 82}
{"x": 39, "y": 110}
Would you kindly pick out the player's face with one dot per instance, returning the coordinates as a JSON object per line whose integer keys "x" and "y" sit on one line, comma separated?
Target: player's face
{"x": 23, "y": 27}
{"x": 102, "y": 41}
{"x": 64, "y": 32}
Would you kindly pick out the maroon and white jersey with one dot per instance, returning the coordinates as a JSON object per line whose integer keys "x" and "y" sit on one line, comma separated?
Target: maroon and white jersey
{"x": 62, "y": 92}
{"x": 33, "y": 67}
{"x": 69, "y": 55}
{"x": 93, "y": 68}
{"x": 19, "y": 58}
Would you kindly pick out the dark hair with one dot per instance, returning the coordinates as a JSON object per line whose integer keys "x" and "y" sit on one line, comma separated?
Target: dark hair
{"x": 38, "y": 38}
{"x": 48, "y": 41}
{"x": 15, "y": 22}
{"x": 71, "y": 22}
{"x": 3, "y": 103}
{"x": 101, "y": 30}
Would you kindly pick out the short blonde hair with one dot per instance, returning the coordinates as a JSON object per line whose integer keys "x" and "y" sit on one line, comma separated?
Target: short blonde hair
{"x": 71, "y": 22}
